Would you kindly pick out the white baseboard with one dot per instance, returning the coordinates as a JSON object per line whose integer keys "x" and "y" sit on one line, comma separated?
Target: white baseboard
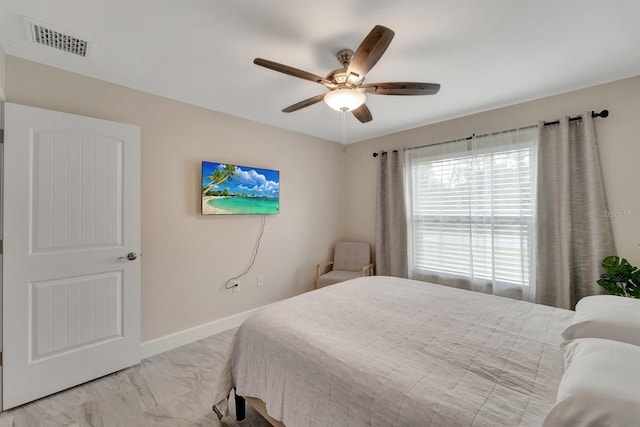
{"x": 187, "y": 336}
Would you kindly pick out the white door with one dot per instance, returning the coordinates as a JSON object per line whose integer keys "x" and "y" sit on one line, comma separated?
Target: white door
{"x": 71, "y": 215}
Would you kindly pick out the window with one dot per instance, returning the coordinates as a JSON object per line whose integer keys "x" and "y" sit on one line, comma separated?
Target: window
{"x": 472, "y": 208}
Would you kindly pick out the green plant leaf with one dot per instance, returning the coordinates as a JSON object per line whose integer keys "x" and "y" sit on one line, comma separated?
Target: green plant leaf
{"x": 620, "y": 277}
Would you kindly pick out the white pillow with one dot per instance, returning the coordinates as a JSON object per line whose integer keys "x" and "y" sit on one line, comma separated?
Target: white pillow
{"x": 606, "y": 316}
{"x": 600, "y": 386}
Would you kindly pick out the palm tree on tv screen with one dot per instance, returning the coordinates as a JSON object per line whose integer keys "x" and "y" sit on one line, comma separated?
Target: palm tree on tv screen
{"x": 219, "y": 176}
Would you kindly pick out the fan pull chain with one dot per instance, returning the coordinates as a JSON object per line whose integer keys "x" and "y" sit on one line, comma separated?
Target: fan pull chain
{"x": 344, "y": 130}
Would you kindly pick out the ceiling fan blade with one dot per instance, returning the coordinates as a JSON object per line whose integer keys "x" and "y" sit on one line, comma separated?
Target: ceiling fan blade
{"x": 302, "y": 104}
{"x": 293, "y": 71}
{"x": 370, "y": 50}
{"x": 363, "y": 113}
{"x": 401, "y": 88}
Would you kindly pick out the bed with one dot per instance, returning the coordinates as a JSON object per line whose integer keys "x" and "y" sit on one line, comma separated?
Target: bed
{"x": 384, "y": 351}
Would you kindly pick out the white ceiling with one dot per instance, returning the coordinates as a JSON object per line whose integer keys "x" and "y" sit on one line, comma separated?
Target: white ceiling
{"x": 485, "y": 54}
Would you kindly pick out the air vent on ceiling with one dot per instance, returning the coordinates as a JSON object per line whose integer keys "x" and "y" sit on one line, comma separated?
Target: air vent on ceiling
{"x": 47, "y": 35}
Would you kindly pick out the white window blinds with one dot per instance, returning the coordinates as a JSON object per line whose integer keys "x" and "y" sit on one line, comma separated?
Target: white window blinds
{"x": 472, "y": 208}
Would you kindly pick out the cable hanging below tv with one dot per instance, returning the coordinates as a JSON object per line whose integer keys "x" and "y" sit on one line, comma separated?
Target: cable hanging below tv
{"x": 239, "y": 190}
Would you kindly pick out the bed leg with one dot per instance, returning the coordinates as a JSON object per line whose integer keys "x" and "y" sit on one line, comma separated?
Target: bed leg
{"x": 240, "y": 407}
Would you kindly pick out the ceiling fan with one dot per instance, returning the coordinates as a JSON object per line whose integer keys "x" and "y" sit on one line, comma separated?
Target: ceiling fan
{"x": 347, "y": 85}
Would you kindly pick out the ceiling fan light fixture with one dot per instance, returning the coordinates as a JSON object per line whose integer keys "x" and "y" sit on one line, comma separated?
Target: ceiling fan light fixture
{"x": 344, "y": 99}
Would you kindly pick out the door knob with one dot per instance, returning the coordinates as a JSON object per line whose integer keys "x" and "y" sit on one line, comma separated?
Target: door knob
{"x": 130, "y": 256}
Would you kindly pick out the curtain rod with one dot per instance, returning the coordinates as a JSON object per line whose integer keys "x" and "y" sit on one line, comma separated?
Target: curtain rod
{"x": 603, "y": 114}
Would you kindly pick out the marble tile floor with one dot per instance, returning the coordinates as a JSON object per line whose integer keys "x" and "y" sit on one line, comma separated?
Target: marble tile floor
{"x": 170, "y": 389}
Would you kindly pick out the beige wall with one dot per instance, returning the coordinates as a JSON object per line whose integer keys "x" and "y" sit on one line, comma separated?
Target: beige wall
{"x": 618, "y": 135}
{"x": 3, "y": 59}
{"x": 187, "y": 257}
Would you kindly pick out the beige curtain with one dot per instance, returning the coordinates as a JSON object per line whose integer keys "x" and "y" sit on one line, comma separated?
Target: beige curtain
{"x": 391, "y": 218}
{"x": 573, "y": 229}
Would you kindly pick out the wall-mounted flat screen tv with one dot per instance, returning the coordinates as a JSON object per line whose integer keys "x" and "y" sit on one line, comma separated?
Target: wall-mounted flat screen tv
{"x": 232, "y": 189}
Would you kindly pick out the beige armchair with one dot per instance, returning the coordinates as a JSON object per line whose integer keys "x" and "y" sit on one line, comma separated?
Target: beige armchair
{"x": 350, "y": 260}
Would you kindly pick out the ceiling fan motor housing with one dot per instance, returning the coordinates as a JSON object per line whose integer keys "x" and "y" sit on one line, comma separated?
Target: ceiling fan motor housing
{"x": 340, "y": 76}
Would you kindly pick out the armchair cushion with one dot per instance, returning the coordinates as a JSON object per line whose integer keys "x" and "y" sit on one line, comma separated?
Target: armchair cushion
{"x": 350, "y": 260}
{"x": 350, "y": 256}
{"x": 336, "y": 276}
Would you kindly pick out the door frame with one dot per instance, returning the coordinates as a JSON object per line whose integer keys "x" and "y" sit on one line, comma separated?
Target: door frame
{"x": 1, "y": 230}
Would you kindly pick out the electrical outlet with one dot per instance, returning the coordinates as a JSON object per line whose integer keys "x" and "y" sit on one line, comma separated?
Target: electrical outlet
{"x": 260, "y": 280}
{"x": 235, "y": 286}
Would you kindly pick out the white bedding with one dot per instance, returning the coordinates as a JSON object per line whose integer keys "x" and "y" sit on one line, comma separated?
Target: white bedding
{"x": 382, "y": 351}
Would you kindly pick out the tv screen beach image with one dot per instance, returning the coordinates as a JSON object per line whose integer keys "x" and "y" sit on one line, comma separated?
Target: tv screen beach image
{"x": 231, "y": 189}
